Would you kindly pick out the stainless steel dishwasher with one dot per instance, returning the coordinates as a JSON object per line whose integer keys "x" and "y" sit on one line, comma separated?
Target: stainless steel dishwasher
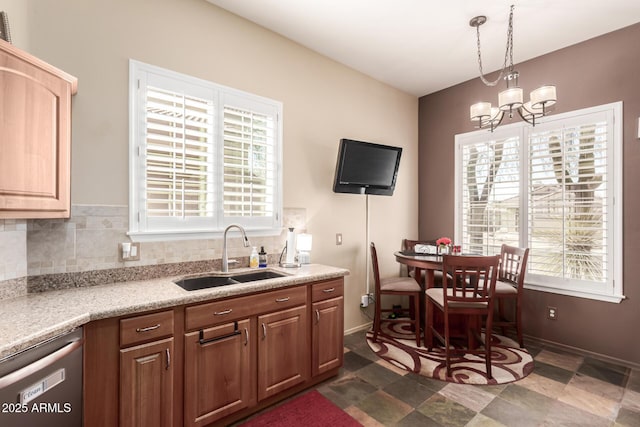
{"x": 42, "y": 385}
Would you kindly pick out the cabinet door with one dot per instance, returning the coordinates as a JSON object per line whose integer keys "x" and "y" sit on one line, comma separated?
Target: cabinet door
{"x": 327, "y": 335}
{"x": 283, "y": 351}
{"x": 35, "y": 136}
{"x": 146, "y": 385}
{"x": 218, "y": 374}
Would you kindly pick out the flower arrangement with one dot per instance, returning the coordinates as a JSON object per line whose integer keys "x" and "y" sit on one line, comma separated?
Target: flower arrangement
{"x": 443, "y": 245}
{"x": 443, "y": 241}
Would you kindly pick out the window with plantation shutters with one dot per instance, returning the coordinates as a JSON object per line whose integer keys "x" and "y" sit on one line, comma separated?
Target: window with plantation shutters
{"x": 203, "y": 156}
{"x": 249, "y": 163}
{"x": 179, "y": 155}
{"x": 555, "y": 188}
{"x": 490, "y": 199}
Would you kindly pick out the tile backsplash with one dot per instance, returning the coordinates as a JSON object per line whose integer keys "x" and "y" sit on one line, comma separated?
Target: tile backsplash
{"x": 13, "y": 248}
{"x": 89, "y": 241}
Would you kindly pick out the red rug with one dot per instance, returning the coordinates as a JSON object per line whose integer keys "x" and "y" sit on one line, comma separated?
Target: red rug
{"x": 309, "y": 410}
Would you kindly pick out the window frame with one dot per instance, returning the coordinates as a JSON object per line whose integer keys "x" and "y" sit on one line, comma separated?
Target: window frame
{"x": 196, "y": 227}
{"x": 612, "y": 289}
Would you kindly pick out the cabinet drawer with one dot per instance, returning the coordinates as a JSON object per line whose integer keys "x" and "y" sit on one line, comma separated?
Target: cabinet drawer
{"x": 146, "y": 327}
{"x": 325, "y": 290}
{"x": 216, "y": 312}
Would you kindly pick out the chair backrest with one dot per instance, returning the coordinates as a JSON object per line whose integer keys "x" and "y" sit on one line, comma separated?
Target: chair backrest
{"x": 376, "y": 270}
{"x": 513, "y": 265}
{"x": 470, "y": 279}
{"x": 409, "y": 245}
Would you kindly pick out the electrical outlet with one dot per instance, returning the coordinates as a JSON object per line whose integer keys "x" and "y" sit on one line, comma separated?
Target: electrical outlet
{"x": 338, "y": 239}
{"x": 364, "y": 301}
{"x": 129, "y": 251}
{"x": 552, "y": 313}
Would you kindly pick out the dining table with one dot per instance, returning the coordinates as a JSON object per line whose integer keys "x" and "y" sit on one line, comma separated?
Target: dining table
{"x": 419, "y": 262}
{"x": 428, "y": 263}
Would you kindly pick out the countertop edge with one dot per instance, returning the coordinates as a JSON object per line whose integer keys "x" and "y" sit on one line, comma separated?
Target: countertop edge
{"x": 47, "y": 317}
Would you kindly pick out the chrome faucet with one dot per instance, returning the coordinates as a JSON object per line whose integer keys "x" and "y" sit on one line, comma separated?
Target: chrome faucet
{"x": 225, "y": 259}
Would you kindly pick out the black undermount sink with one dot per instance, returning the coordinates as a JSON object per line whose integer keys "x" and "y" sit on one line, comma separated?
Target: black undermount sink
{"x": 195, "y": 283}
{"x": 258, "y": 275}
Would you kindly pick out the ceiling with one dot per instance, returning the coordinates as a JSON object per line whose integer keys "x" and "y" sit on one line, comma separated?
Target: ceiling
{"x": 422, "y": 46}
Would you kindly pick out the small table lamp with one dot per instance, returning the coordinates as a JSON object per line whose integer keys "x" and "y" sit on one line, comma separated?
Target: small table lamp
{"x": 303, "y": 245}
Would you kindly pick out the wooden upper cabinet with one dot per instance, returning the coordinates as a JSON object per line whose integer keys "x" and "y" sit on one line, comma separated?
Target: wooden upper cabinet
{"x": 35, "y": 136}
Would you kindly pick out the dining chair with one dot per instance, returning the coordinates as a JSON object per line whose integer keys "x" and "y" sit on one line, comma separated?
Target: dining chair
{"x": 509, "y": 286}
{"x": 395, "y": 286}
{"x": 409, "y": 245}
{"x": 466, "y": 291}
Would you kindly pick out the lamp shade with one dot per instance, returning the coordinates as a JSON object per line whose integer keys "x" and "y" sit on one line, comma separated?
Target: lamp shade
{"x": 304, "y": 242}
{"x": 304, "y": 246}
{"x": 510, "y": 98}
{"x": 480, "y": 110}
{"x": 544, "y": 95}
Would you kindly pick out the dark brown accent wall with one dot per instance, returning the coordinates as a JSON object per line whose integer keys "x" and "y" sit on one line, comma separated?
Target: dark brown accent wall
{"x": 595, "y": 72}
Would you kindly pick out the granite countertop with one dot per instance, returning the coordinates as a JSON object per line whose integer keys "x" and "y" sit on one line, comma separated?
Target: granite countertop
{"x": 28, "y": 320}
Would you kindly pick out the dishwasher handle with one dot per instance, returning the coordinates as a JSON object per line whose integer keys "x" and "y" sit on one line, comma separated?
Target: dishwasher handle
{"x": 40, "y": 364}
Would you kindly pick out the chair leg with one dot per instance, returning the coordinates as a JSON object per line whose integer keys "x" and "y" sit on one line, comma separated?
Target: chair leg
{"x": 447, "y": 352}
{"x": 428, "y": 323}
{"x": 416, "y": 306}
{"x": 519, "y": 324}
{"x": 487, "y": 348}
{"x": 376, "y": 319}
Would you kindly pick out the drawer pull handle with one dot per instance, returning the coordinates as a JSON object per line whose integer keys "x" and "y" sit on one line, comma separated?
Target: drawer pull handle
{"x": 168, "y": 358}
{"x": 222, "y": 313}
{"x": 328, "y": 291}
{"x": 202, "y": 341}
{"x": 285, "y": 299}
{"x": 148, "y": 328}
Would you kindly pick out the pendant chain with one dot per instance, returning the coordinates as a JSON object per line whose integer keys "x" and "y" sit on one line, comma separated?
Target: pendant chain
{"x": 508, "y": 54}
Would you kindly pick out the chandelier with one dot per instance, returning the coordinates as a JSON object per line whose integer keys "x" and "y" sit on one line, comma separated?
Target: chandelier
{"x": 510, "y": 100}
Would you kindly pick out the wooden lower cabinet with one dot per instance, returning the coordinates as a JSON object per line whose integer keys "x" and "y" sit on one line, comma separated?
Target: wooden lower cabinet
{"x": 283, "y": 355}
{"x": 218, "y": 372}
{"x": 327, "y": 335}
{"x": 146, "y": 385}
{"x": 212, "y": 363}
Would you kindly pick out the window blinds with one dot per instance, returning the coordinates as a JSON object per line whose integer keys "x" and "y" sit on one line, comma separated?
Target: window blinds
{"x": 179, "y": 155}
{"x": 249, "y": 169}
{"x": 491, "y": 199}
{"x": 567, "y": 207}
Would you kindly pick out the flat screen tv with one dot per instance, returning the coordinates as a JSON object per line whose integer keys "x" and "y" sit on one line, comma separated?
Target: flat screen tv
{"x": 366, "y": 168}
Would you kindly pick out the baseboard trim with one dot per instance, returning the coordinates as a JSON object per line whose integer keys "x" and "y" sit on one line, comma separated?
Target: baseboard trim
{"x": 358, "y": 328}
{"x": 582, "y": 352}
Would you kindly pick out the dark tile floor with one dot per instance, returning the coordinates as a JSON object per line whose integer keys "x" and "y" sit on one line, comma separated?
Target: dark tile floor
{"x": 564, "y": 390}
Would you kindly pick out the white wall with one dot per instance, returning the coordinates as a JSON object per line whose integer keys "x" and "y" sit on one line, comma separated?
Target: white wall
{"x": 323, "y": 102}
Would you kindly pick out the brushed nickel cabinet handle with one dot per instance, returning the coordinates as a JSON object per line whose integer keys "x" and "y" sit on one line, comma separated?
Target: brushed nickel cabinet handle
{"x": 246, "y": 336}
{"x": 148, "y": 328}
{"x": 222, "y": 313}
{"x": 168, "y": 358}
{"x": 317, "y": 316}
{"x": 328, "y": 291}
{"x": 285, "y": 299}
{"x": 264, "y": 331}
